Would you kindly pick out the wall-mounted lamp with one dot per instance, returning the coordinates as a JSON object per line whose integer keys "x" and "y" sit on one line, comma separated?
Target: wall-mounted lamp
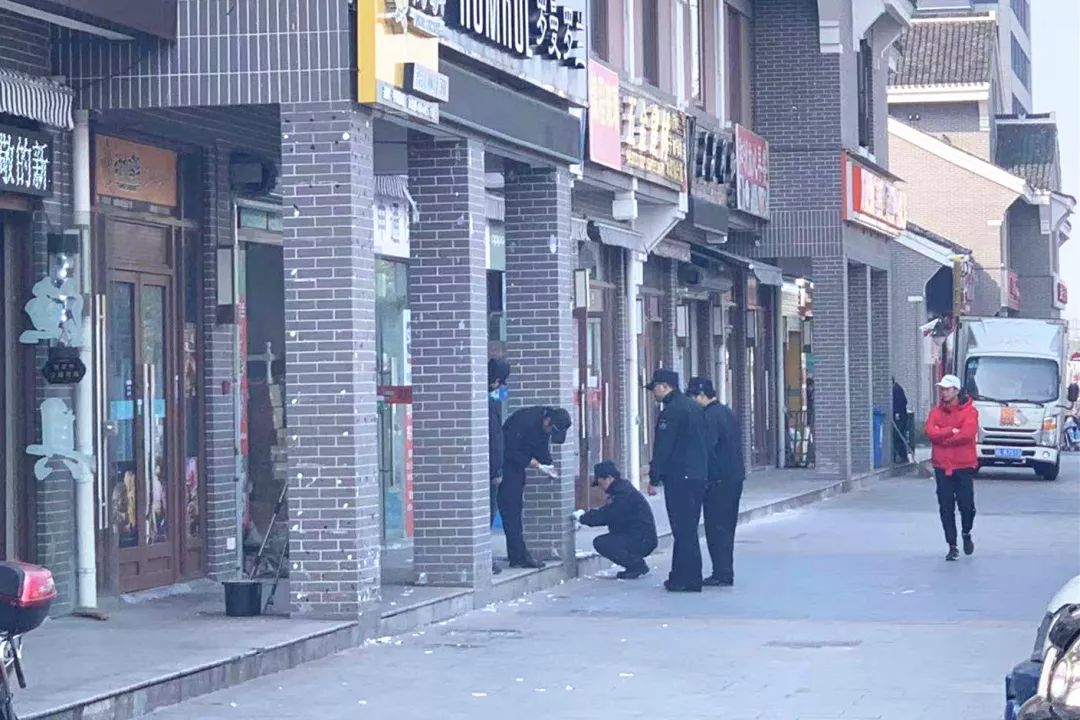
{"x": 640, "y": 315}
{"x": 581, "y": 289}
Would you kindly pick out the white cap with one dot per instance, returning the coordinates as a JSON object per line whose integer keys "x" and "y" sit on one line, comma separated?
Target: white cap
{"x": 949, "y": 381}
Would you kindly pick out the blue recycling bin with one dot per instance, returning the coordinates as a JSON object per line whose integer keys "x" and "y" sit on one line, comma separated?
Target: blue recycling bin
{"x": 879, "y": 437}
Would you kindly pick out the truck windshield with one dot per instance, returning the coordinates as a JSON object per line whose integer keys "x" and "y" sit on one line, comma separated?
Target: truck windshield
{"x": 1012, "y": 379}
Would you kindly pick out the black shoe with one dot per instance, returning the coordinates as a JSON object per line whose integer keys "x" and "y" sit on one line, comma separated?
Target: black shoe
{"x": 953, "y": 555}
{"x": 714, "y": 581}
{"x": 633, "y": 573}
{"x": 680, "y": 588}
{"x": 969, "y": 545}
{"x": 529, "y": 563}
{"x": 495, "y": 569}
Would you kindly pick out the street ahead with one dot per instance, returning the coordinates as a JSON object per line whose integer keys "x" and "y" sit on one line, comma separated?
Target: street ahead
{"x": 843, "y": 610}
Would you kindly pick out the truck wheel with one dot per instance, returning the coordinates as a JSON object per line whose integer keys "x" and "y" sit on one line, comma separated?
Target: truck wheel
{"x": 1049, "y": 472}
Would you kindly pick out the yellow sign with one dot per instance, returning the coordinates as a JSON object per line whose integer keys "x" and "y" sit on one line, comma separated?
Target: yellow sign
{"x": 397, "y": 56}
{"x": 653, "y": 139}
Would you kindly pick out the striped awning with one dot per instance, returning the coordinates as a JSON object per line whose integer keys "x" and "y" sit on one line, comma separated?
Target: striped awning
{"x": 40, "y": 99}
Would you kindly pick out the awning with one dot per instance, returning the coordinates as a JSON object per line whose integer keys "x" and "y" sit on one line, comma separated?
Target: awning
{"x": 766, "y": 274}
{"x": 616, "y": 236}
{"x": 36, "y": 98}
{"x": 396, "y": 188}
{"x": 673, "y": 250}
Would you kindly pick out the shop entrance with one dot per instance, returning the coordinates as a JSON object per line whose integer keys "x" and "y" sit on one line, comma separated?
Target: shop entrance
{"x": 596, "y": 343}
{"x": 142, "y": 415}
{"x": 393, "y": 365}
{"x": 650, "y": 356}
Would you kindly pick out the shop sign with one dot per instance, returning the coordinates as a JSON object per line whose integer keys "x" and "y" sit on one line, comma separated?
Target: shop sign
{"x": 525, "y": 28}
{"x": 58, "y": 442}
{"x": 398, "y": 56}
{"x": 1061, "y": 293}
{"x": 963, "y": 284}
{"x": 653, "y": 140}
{"x": 713, "y": 165}
{"x": 751, "y": 173}
{"x": 64, "y": 367}
{"x": 392, "y": 217}
{"x": 873, "y": 200}
{"x": 132, "y": 171}
{"x": 25, "y": 162}
{"x": 1011, "y": 290}
{"x": 604, "y": 124}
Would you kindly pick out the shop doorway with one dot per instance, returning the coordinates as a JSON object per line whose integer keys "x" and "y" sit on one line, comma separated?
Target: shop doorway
{"x": 760, "y": 358}
{"x": 393, "y": 365}
{"x": 650, "y": 356}
{"x": 596, "y": 349}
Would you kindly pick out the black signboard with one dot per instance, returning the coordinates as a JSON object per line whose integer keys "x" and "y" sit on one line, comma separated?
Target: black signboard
{"x": 64, "y": 367}
{"x": 526, "y": 28}
{"x": 26, "y": 159}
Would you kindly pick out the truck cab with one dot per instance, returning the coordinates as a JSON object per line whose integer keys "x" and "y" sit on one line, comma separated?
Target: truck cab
{"x": 1014, "y": 370}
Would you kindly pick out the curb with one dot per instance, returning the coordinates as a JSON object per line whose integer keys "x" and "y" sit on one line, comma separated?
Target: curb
{"x": 137, "y": 700}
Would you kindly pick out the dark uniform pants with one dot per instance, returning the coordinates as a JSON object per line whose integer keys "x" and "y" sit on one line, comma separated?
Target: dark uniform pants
{"x": 683, "y": 500}
{"x": 721, "y": 516}
{"x": 625, "y": 550}
{"x": 511, "y": 498}
{"x": 956, "y": 491}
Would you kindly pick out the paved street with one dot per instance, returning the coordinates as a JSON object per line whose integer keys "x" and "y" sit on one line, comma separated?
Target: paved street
{"x": 843, "y": 610}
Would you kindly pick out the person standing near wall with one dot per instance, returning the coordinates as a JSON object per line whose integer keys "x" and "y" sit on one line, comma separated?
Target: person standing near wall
{"x": 953, "y": 430}
{"x": 498, "y": 374}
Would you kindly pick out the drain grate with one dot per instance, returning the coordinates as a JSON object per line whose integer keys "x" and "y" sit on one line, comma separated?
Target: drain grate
{"x": 814, "y": 644}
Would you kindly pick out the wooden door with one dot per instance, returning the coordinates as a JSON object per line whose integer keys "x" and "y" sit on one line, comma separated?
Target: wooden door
{"x": 142, "y": 408}
{"x": 596, "y": 350}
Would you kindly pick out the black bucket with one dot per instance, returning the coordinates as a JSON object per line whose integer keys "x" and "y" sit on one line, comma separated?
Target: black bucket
{"x": 243, "y": 598}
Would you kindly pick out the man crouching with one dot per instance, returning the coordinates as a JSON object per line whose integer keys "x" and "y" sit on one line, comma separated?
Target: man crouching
{"x": 631, "y": 535}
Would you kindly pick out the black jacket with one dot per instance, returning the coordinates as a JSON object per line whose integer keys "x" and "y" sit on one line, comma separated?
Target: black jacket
{"x": 526, "y": 439}
{"x": 726, "y": 464}
{"x": 899, "y": 400}
{"x": 496, "y": 442}
{"x": 627, "y": 512}
{"x": 680, "y": 449}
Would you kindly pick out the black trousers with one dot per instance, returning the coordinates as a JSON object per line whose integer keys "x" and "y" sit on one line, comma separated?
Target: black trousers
{"x": 625, "y": 550}
{"x": 721, "y": 516}
{"x": 900, "y": 437}
{"x": 683, "y": 499}
{"x": 956, "y": 491}
{"x": 511, "y": 499}
{"x": 494, "y": 501}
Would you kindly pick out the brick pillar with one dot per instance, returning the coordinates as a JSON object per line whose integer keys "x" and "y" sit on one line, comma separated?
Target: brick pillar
{"x": 832, "y": 405}
{"x": 541, "y": 338}
{"x": 334, "y": 501}
{"x": 862, "y": 449}
{"x": 620, "y": 416}
{"x": 881, "y": 352}
{"x": 448, "y": 297}
{"x": 740, "y": 394}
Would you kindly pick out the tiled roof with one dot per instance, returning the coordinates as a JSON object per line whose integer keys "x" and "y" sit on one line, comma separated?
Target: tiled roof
{"x": 1030, "y": 149}
{"x": 947, "y": 51}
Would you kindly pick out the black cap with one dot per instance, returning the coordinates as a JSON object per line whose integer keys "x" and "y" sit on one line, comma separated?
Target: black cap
{"x": 701, "y": 386}
{"x": 560, "y": 423}
{"x": 667, "y": 377}
{"x": 498, "y": 370}
{"x": 604, "y": 469}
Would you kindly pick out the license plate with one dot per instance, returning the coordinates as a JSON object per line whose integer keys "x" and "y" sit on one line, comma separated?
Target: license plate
{"x": 1011, "y": 453}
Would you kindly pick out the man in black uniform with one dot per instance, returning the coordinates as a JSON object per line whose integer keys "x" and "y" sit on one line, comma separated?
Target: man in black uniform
{"x": 631, "y": 535}
{"x": 726, "y": 474}
{"x": 528, "y": 433}
{"x": 680, "y": 463}
{"x": 498, "y": 374}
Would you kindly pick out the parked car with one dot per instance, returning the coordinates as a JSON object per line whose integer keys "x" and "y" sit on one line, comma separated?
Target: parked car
{"x": 1058, "y": 694}
{"x": 1022, "y": 683}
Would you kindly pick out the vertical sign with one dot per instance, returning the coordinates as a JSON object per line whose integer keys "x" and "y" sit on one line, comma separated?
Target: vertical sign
{"x": 604, "y": 123}
{"x": 752, "y": 172}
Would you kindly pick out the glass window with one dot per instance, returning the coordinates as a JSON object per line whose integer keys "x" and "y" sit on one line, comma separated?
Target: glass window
{"x": 865, "y": 69}
{"x": 739, "y": 73}
{"x": 599, "y": 29}
{"x": 648, "y": 31}
{"x": 1012, "y": 379}
{"x": 1022, "y": 10}
{"x": 1021, "y": 64}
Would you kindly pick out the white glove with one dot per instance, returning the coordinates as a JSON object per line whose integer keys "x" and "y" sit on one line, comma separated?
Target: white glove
{"x": 549, "y": 470}
{"x": 578, "y": 514}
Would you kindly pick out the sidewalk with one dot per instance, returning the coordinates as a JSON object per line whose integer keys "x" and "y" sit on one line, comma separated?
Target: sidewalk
{"x": 160, "y": 652}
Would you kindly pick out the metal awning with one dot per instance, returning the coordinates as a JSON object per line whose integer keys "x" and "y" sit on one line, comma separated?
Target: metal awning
{"x": 396, "y": 189}
{"x": 765, "y": 273}
{"x": 673, "y": 250}
{"x": 40, "y": 99}
{"x": 610, "y": 234}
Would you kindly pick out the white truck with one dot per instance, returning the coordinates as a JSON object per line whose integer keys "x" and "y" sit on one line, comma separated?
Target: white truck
{"x": 1015, "y": 371}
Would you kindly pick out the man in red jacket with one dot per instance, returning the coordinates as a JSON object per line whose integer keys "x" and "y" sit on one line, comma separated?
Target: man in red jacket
{"x": 953, "y": 430}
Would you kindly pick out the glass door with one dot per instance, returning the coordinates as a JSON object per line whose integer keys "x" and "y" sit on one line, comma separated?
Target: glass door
{"x": 142, "y": 428}
{"x": 393, "y": 365}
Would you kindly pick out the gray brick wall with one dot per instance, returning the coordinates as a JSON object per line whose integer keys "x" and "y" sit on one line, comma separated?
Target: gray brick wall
{"x": 859, "y": 367}
{"x": 334, "y": 500}
{"x": 832, "y": 402}
{"x": 448, "y": 298}
{"x": 541, "y": 337}
{"x": 910, "y": 273}
{"x": 25, "y": 44}
{"x": 956, "y": 122}
{"x": 881, "y": 356}
{"x": 1031, "y": 257}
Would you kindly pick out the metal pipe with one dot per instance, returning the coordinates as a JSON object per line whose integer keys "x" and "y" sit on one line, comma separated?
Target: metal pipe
{"x": 634, "y": 273}
{"x": 85, "y": 552}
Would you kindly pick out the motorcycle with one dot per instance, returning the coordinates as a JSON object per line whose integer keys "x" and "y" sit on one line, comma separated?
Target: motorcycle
{"x": 26, "y": 594}
{"x": 1070, "y": 434}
